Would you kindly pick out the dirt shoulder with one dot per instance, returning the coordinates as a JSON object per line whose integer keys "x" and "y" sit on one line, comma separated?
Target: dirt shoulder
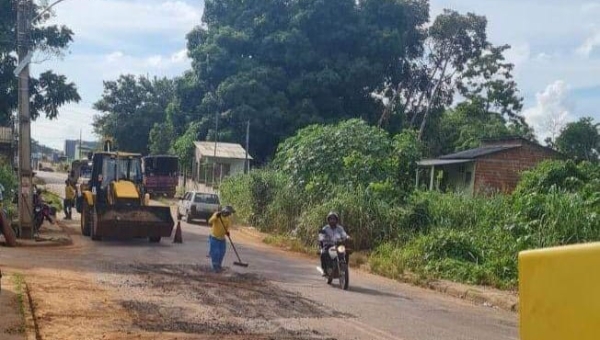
{"x": 12, "y": 307}
{"x": 153, "y": 301}
{"x": 486, "y": 296}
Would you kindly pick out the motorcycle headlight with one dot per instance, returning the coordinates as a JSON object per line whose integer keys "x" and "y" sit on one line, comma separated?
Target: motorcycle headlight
{"x": 341, "y": 249}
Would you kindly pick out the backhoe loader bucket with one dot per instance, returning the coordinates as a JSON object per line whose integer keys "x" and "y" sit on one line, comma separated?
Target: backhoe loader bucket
{"x": 135, "y": 222}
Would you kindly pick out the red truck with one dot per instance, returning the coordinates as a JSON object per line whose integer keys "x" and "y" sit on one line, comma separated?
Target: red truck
{"x": 161, "y": 175}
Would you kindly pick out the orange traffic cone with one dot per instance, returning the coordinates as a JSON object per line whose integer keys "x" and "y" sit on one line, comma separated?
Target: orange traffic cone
{"x": 178, "y": 238}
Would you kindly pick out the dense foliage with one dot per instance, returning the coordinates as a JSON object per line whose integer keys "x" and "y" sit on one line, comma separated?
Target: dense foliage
{"x": 433, "y": 235}
{"x": 286, "y": 65}
{"x": 132, "y": 108}
{"x": 580, "y": 140}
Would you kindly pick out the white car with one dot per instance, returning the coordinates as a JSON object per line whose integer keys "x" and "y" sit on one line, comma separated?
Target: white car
{"x": 198, "y": 205}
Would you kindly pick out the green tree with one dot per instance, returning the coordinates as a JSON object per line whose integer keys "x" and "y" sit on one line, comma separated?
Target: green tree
{"x": 458, "y": 59}
{"x": 49, "y": 91}
{"x": 184, "y": 146}
{"x": 161, "y": 138}
{"x": 131, "y": 107}
{"x": 350, "y": 153}
{"x": 283, "y": 65}
{"x": 580, "y": 140}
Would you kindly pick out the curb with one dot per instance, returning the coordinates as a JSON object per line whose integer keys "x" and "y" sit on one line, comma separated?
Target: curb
{"x": 48, "y": 243}
{"x": 32, "y": 329}
{"x": 477, "y": 296}
{"x": 474, "y": 294}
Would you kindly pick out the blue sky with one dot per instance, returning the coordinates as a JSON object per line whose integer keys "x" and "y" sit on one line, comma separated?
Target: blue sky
{"x": 556, "y": 50}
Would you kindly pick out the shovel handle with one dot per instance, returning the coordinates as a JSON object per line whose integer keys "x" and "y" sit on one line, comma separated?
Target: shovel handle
{"x": 230, "y": 241}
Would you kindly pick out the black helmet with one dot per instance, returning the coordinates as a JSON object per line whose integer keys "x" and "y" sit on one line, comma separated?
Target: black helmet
{"x": 228, "y": 209}
{"x": 333, "y": 214}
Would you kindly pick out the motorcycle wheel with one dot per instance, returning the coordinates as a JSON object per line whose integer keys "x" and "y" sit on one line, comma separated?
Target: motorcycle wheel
{"x": 329, "y": 280}
{"x": 344, "y": 277}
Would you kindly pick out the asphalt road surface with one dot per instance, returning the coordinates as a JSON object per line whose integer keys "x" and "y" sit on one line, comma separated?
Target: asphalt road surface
{"x": 279, "y": 292}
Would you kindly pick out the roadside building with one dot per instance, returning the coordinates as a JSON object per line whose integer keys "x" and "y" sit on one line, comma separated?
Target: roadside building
{"x": 212, "y": 167}
{"x": 496, "y": 166}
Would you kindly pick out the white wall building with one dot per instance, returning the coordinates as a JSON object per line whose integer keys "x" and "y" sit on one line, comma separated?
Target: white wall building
{"x": 211, "y": 168}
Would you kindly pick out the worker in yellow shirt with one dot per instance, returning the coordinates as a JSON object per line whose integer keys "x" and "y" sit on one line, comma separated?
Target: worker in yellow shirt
{"x": 69, "y": 200}
{"x": 220, "y": 225}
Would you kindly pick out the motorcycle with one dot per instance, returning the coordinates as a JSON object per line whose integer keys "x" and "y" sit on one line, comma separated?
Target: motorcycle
{"x": 337, "y": 266}
{"x": 41, "y": 212}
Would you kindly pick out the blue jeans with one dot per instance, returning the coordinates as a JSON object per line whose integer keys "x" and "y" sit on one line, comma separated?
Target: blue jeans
{"x": 217, "y": 252}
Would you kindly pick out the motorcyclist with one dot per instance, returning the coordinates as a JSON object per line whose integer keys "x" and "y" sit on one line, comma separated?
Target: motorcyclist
{"x": 331, "y": 233}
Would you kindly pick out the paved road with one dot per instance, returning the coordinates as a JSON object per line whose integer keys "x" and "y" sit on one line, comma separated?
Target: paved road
{"x": 373, "y": 308}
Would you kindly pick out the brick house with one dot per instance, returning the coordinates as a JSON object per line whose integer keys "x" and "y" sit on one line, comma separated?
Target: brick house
{"x": 493, "y": 167}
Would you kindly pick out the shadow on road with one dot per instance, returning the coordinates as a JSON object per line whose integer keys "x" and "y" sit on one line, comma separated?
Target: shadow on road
{"x": 373, "y": 292}
{"x": 200, "y": 223}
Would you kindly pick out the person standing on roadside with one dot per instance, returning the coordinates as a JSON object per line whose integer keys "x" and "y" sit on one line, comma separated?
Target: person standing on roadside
{"x": 69, "y": 199}
{"x": 220, "y": 224}
{"x": 71, "y": 178}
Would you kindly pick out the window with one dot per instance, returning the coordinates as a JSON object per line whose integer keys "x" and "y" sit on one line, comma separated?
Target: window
{"x": 461, "y": 169}
{"x": 187, "y": 196}
{"x": 206, "y": 198}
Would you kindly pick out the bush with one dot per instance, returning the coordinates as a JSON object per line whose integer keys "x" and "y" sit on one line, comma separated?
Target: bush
{"x": 562, "y": 175}
{"x": 368, "y": 219}
{"x": 434, "y": 235}
{"x": 349, "y": 154}
{"x": 8, "y": 178}
{"x": 264, "y": 199}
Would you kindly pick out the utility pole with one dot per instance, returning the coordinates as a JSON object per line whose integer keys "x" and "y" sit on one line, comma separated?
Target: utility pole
{"x": 214, "y": 165}
{"x": 216, "y": 145}
{"x": 247, "y": 164}
{"x": 24, "y": 173}
{"x": 80, "y": 144}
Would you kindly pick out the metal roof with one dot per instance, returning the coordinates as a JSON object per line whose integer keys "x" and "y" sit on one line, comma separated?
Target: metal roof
{"x": 478, "y": 152}
{"x": 433, "y": 162}
{"x": 224, "y": 150}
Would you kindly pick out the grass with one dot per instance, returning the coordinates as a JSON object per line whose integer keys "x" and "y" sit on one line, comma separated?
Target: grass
{"x": 19, "y": 282}
{"x": 428, "y": 235}
{"x": 53, "y": 200}
{"x": 289, "y": 243}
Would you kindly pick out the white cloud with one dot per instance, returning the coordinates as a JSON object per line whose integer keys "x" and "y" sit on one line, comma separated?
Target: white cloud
{"x": 589, "y": 7}
{"x": 154, "y": 61}
{"x": 114, "y": 37}
{"x": 180, "y": 56}
{"x": 589, "y": 45}
{"x": 113, "y": 57}
{"x": 543, "y": 57}
{"x": 72, "y": 120}
{"x": 552, "y": 111}
{"x": 518, "y": 54}
{"x": 108, "y": 22}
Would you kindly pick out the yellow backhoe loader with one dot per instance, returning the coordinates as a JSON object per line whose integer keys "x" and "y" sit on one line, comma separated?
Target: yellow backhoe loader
{"x": 114, "y": 203}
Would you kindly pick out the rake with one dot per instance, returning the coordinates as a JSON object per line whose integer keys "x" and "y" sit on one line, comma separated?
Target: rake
{"x": 239, "y": 262}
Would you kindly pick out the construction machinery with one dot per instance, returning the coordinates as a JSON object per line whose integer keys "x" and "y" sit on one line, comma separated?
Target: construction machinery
{"x": 113, "y": 203}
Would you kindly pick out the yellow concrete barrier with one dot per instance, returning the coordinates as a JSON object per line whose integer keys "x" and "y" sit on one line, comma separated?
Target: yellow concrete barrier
{"x": 559, "y": 293}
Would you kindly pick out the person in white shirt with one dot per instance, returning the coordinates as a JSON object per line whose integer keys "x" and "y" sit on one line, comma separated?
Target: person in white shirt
{"x": 329, "y": 235}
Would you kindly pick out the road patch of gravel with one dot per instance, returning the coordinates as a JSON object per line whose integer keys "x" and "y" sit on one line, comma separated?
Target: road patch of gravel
{"x": 192, "y": 299}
